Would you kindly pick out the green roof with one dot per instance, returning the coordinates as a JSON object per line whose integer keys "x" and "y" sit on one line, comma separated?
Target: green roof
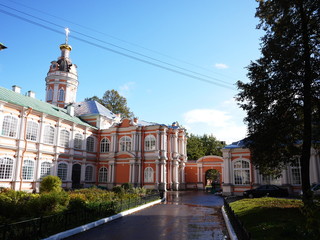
{"x": 37, "y": 105}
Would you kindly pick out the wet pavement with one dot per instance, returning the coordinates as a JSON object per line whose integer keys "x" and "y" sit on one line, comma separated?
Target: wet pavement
{"x": 185, "y": 215}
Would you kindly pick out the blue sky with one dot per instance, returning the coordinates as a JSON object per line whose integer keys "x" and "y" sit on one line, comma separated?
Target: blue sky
{"x": 210, "y": 39}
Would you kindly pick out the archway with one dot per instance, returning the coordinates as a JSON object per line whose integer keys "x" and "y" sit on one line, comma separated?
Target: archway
{"x": 212, "y": 178}
{"x": 76, "y": 175}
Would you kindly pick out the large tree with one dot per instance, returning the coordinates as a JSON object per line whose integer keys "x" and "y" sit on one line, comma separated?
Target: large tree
{"x": 282, "y": 98}
{"x": 199, "y": 146}
{"x": 114, "y": 102}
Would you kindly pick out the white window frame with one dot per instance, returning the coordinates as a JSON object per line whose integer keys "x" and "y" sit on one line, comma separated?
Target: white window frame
{"x": 48, "y": 134}
{"x": 62, "y": 171}
{"x": 6, "y": 168}
{"x": 50, "y": 94}
{"x": 103, "y": 174}
{"x": 125, "y": 144}
{"x": 242, "y": 174}
{"x": 9, "y": 126}
{"x": 90, "y": 144}
{"x": 61, "y": 95}
{"x": 64, "y": 138}
{"x": 45, "y": 169}
{"x": 148, "y": 175}
{"x": 105, "y": 145}
{"x": 150, "y": 143}
{"x": 89, "y": 173}
{"x": 295, "y": 172}
{"x": 28, "y": 170}
{"x": 77, "y": 142}
{"x": 32, "y": 131}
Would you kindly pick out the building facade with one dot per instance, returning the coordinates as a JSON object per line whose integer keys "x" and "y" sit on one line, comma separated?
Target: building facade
{"x": 83, "y": 143}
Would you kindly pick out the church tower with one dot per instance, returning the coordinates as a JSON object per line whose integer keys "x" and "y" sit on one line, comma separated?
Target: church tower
{"x": 62, "y": 78}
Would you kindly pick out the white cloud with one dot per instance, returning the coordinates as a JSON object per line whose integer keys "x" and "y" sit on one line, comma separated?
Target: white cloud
{"x": 226, "y": 125}
{"x": 125, "y": 89}
{"x": 221, "y": 66}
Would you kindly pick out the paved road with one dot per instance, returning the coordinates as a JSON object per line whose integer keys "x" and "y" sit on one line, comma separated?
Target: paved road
{"x": 185, "y": 215}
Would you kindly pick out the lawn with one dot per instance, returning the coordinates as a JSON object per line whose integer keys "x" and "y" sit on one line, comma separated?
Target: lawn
{"x": 271, "y": 218}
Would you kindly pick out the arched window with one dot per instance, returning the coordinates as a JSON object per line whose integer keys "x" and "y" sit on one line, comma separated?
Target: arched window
{"x": 28, "y": 169}
{"x": 105, "y": 145}
{"x": 6, "y": 168}
{"x": 48, "y": 135}
{"x": 125, "y": 144}
{"x": 50, "y": 95}
{"x": 90, "y": 144}
{"x": 45, "y": 169}
{"x": 148, "y": 175}
{"x": 64, "y": 138}
{"x": 61, "y": 94}
{"x": 9, "y": 126}
{"x": 150, "y": 143}
{"x": 62, "y": 171}
{"x": 89, "y": 173}
{"x": 78, "y": 141}
{"x": 241, "y": 172}
{"x": 32, "y": 130}
{"x": 103, "y": 174}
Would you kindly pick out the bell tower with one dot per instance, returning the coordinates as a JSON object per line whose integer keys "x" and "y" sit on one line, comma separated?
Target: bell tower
{"x": 62, "y": 78}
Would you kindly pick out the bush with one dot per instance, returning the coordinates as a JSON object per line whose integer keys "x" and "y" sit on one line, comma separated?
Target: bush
{"x": 118, "y": 190}
{"x": 50, "y": 184}
{"x": 51, "y": 202}
{"x": 127, "y": 186}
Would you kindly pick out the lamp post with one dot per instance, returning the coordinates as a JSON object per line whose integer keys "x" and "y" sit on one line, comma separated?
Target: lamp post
{"x": 2, "y": 46}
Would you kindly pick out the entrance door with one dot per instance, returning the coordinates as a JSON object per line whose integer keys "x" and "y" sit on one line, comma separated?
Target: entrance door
{"x": 76, "y": 175}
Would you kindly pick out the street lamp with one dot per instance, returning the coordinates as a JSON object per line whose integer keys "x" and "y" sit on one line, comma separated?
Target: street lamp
{"x": 2, "y": 46}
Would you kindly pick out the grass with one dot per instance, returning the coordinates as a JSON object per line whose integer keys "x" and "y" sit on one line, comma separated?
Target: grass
{"x": 271, "y": 218}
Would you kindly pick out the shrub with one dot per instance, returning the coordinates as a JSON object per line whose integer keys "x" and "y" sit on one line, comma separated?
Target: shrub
{"x": 118, "y": 190}
{"x": 50, "y": 202}
{"x": 50, "y": 184}
{"x": 127, "y": 186}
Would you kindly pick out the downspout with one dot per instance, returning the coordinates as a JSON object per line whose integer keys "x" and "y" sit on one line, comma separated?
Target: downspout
{"x": 25, "y": 145}
{"x": 142, "y": 156}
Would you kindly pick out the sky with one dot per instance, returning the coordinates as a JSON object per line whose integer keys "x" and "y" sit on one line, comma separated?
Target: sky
{"x": 172, "y": 60}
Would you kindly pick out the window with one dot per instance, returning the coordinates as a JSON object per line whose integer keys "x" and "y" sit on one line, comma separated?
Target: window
{"x": 103, "y": 174}
{"x": 9, "y": 126}
{"x": 296, "y": 173}
{"x": 90, "y": 144}
{"x": 61, "y": 95}
{"x": 27, "y": 169}
{"x": 50, "y": 95}
{"x": 148, "y": 175}
{"x": 45, "y": 169}
{"x": 64, "y": 138}
{"x": 48, "y": 136}
{"x": 6, "y": 168}
{"x": 62, "y": 171}
{"x": 150, "y": 143}
{"x": 241, "y": 172}
{"x": 32, "y": 131}
{"x": 125, "y": 144}
{"x": 105, "y": 145}
{"x": 78, "y": 141}
{"x": 268, "y": 179}
{"x": 89, "y": 173}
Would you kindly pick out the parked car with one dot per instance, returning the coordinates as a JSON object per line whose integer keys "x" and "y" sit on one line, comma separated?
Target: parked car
{"x": 315, "y": 189}
{"x": 266, "y": 190}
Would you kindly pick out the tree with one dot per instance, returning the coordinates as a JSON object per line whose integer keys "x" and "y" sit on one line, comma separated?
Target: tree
{"x": 282, "y": 98}
{"x": 199, "y": 146}
{"x": 51, "y": 184}
{"x": 114, "y": 102}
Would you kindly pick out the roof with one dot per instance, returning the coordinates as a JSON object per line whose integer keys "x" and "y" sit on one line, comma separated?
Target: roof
{"x": 37, "y": 105}
{"x": 239, "y": 144}
{"x": 92, "y": 108}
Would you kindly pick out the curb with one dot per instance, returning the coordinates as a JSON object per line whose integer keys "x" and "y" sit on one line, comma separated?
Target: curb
{"x": 88, "y": 226}
{"x": 231, "y": 232}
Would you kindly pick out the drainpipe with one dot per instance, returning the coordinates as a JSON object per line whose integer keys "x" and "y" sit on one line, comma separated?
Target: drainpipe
{"x": 25, "y": 145}
{"x": 142, "y": 155}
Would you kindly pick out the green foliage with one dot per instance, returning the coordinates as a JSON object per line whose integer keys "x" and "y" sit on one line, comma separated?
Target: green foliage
{"x": 113, "y": 101}
{"x": 50, "y": 184}
{"x": 127, "y": 186}
{"x": 118, "y": 190}
{"x": 271, "y": 218}
{"x": 200, "y": 146}
{"x": 212, "y": 175}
